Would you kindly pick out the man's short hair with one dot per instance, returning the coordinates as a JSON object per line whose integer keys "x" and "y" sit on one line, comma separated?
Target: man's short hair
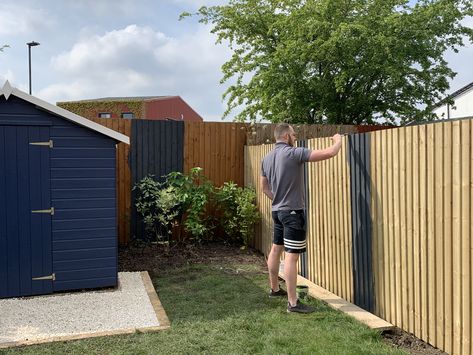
{"x": 281, "y": 129}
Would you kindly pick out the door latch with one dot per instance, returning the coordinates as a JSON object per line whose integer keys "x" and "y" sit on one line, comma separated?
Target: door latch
{"x": 47, "y": 144}
{"x": 50, "y": 211}
{"x": 44, "y": 278}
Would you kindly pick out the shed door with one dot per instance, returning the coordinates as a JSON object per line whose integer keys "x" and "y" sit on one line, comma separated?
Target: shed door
{"x": 25, "y": 224}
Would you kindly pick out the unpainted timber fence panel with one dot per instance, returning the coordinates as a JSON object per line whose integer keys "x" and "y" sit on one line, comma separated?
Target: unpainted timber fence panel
{"x": 263, "y": 232}
{"x": 218, "y": 148}
{"x": 329, "y": 236}
{"x": 422, "y": 226}
{"x": 418, "y": 181}
{"x": 123, "y": 176}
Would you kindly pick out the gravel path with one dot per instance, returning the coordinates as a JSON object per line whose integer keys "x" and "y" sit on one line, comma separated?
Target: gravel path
{"x": 69, "y": 314}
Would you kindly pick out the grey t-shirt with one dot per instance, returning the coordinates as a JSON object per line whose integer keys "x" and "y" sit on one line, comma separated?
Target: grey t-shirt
{"x": 283, "y": 167}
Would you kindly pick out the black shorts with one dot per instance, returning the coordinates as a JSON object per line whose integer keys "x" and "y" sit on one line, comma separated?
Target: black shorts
{"x": 290, "y": 230}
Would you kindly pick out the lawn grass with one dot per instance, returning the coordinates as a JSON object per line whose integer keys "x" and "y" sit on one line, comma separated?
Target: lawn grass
{"x": 224, "y": 309}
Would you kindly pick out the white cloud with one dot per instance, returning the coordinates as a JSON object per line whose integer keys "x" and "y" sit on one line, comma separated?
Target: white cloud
{"x": 116, "y": 50}
{"x": 141, "y": 61}
{"x": 16, "y": 20}
{"x": 7, "y": 76}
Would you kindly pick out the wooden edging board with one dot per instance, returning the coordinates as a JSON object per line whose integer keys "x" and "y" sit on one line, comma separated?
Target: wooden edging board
{"x": 155, "y": 302}
{"x": 336, "y": 302}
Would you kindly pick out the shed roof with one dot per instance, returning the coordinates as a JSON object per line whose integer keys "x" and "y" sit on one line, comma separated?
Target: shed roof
{"x": 8, "y": 90}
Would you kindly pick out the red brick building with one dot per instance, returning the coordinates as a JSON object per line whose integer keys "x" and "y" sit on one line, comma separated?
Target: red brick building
{"x": 144, "y": 107}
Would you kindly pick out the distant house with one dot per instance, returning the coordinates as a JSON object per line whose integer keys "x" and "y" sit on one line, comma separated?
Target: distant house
{"x": 462, "y": 104}
{"x": 172, "y": 108}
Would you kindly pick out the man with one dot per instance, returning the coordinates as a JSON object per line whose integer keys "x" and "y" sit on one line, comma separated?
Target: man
{"x": 282, "y": 180}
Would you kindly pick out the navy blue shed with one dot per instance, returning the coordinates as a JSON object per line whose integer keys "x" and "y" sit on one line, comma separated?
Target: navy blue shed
{"x": 58, "y": 207}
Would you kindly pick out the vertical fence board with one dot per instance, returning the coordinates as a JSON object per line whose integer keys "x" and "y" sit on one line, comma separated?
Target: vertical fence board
{"x": 402, "y": 228}
{"x": 123, "y": 176}
{"x": 466, "y": 296}
{"x": 388, "y": 225}
{"x": 409, "y": 228}
{"x": 456, "y": 235}
{"x": 439, "y": 237}
{"x": 423, "y": 229}
{"x": 470, "y": 158}
{"x": 346, "y": 231}
{"x": 430, "y": 234}
{"x": 448, "y": 235}
{"x": 396, "y": 281}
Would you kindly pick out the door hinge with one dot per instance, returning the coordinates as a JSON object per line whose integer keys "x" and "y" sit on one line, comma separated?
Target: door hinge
{"x": 47, "y": 144}
{"x": 50, "y": 211}
{"x": 42, "y": 278}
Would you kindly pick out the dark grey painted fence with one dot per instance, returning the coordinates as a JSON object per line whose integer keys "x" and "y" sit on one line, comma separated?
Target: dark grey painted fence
{"x": 304, "y": 267}
{"x": 359, "y": 160}
{"x": 157, "y": 148}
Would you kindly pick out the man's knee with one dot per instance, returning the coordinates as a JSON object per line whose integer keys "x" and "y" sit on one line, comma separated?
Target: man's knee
{"x": 292, "y": 257}
{"x": 277, "y": 249}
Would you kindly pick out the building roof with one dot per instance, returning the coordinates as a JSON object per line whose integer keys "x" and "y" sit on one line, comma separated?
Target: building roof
{"x": 462, "y": 90}
{"x": 8, "y": 90}
{"x": 455, "y": 94}
{"x": 126, "y": 98}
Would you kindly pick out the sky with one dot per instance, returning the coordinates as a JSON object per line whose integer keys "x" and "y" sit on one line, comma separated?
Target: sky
{"x": 100, "y": 48}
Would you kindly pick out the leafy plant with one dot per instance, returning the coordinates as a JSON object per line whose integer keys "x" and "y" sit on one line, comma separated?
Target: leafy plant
{"x": 193, "y": 191}
{"x": 239, "y": 211}
{"x": 159, "y": 207}
{"x": 185, "y": 199}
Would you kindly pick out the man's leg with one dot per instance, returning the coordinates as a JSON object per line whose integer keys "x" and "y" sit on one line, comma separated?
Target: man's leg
{"x": 274, "y": 256}
{"x": 273, "y": 265}
{"x": 290, "y": 274}
{"x": 294, "y": 244}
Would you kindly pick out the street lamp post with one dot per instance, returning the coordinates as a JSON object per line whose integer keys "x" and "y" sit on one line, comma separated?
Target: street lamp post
{"x": 30, "y": 44}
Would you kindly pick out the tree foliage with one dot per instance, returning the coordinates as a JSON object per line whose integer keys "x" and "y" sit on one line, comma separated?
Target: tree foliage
{"x": 337, "y": 61}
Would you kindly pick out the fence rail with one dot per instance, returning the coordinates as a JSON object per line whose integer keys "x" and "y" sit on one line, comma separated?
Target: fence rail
{"x": 390, "y": 227}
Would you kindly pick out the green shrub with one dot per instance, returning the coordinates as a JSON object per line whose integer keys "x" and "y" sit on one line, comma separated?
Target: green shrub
{"x": 159, "y": 207}
{"x": 185, "y": 199}
{"x": 239, "y": 211}
{"x": 194, "y": 192}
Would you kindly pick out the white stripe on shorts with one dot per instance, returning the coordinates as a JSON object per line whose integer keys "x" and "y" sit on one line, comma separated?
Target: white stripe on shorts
{"x": 291, "y": 245}
{"x": 294, "y": 242}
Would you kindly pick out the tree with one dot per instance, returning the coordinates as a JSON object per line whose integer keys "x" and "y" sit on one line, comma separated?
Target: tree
{"x": 337, "y": 61}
